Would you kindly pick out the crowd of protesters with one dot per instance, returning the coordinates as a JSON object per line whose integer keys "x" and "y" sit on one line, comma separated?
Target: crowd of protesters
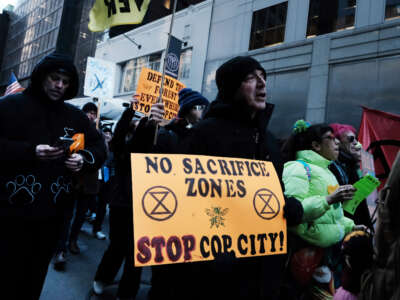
{"x": 44, "y": 184}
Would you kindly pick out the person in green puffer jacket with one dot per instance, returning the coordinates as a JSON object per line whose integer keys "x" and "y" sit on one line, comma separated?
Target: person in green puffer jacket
{"x": 309, "y": 152}
{"x": 307, "y": 178}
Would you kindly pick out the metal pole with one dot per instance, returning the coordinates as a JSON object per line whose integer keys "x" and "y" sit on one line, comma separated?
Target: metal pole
{"x": 166, "y": 50}
{"x": 165, "y": 65}
{"x": 100, "y": 103}
{"x": 137, "y": 45}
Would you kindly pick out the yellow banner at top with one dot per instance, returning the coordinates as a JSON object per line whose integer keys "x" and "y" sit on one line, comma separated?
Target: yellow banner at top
{"x": 108, "y": 13}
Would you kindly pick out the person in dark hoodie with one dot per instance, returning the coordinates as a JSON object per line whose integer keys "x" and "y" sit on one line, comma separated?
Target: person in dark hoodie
{"x": 37, "y": 172}
{"x": 235, "y": 125}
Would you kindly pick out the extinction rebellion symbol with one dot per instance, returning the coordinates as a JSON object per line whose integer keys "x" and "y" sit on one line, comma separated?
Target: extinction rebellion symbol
{"x": 159, "y": 203}
{"x": 266, "y": 204}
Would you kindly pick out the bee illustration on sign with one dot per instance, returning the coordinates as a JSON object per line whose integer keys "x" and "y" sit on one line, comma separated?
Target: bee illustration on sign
{"x": 217, "y": 216}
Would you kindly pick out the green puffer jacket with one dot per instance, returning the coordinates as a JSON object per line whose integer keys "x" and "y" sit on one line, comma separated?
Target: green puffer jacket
{"x": 323, "y": 225}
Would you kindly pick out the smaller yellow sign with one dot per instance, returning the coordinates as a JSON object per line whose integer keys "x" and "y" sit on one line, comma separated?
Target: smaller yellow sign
{"x": 149, "y": 90}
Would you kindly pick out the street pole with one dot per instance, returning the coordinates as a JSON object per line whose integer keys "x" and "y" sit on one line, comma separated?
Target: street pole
{"x": 165, "y": 64}
{"x": 100, "y": 103}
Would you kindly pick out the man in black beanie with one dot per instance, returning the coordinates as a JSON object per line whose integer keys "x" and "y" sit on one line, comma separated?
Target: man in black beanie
{"x": 38, "y": 170}
{"x": 231, "y": 74}
{"x": 235, "y": 125}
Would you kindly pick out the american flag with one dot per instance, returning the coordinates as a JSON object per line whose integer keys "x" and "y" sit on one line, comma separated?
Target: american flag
{"x": 13, "y": 86}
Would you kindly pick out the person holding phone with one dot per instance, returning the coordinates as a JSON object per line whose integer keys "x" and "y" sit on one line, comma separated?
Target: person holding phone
{"x": 37, "y": 175}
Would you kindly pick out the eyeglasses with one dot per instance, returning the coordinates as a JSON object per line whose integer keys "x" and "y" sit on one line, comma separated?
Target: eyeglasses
{"x": 351, "y": 139}
{"x": 199, "y": 107}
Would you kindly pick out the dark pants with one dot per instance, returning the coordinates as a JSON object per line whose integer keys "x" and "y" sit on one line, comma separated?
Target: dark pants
{"x": 82, "y": 204}
{"x": 64, "y": 226}
{"x": 120, "y": 249}
{"x": 173, "y": 282}
{"x": 92, "y": 205}
{"x": 102, "y": 200}
{"x": 25, "y": 253}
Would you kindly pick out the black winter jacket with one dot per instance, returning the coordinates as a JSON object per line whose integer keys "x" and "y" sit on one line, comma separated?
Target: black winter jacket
{"x": 171, "y": 136}
{"x": 227, "y": 130}
{"x": 30, "y": 187}
{"x": 122, "y": 182}
{"x": 123, "y": 143}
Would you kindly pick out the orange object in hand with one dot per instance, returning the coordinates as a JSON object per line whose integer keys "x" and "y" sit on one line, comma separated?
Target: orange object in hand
{"x": 332, "y": 188}
{"x": 78, "y": 144}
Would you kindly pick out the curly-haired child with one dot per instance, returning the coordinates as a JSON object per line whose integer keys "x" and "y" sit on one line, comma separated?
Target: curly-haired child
{"x": 357, "y": 254}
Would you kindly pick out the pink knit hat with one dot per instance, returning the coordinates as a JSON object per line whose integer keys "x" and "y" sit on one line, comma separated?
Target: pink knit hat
{"x": 339, "y": 129}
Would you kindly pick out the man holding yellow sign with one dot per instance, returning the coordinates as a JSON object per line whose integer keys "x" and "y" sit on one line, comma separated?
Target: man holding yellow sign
{"x": 220, "y": 208}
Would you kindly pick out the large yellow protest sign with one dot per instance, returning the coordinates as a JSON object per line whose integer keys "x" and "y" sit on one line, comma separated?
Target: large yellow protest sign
{"x": 191, "y": 208}
{"x": 149, "y": 90}
{"x": 107, "y": 13}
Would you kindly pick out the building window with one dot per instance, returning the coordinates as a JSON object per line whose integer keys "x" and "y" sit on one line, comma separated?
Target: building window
{"x": 330, "y": 16}
{"x": 392, "y": 9}
{"x": 132, "y": 68}
{"x": 268, "y": 26}
{"x": 185, "y": 63}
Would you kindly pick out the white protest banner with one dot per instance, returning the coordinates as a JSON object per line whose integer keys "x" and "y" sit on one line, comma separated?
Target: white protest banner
{"x": 99, "y": 79}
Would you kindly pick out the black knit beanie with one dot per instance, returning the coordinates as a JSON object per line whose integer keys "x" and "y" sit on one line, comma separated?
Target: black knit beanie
{"x": 230, "y": 75}
{"x": 189, "y": 98}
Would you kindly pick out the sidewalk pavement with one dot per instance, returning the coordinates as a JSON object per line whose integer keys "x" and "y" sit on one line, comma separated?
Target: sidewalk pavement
{"x": 75, "y": 282}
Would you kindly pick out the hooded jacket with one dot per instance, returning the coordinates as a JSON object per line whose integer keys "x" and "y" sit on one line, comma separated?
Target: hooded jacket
{"x": 323, "y": 225}
{"x": 30, "y": 187}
